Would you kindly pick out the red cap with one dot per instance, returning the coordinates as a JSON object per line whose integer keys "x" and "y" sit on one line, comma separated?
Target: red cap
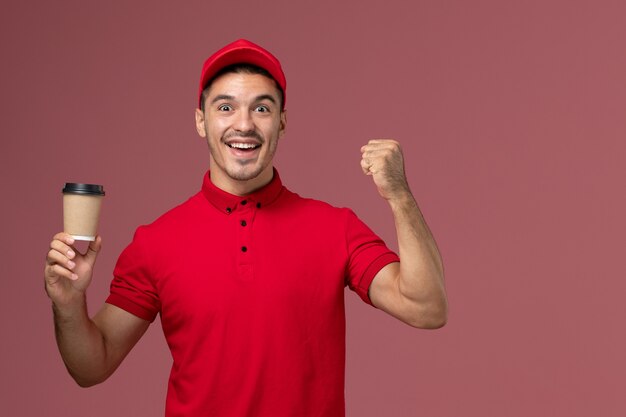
{"x": 242, "y": 52}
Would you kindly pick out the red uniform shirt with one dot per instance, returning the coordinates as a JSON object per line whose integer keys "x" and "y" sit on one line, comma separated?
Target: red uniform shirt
{"x": 250, "y": 293}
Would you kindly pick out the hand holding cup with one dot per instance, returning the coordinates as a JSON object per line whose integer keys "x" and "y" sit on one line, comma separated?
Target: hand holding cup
{"x": 68, "y": 272}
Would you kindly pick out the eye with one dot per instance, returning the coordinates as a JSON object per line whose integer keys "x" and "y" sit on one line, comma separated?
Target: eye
{"x": 262, "y": 109}
{"x": 225, "y": 107}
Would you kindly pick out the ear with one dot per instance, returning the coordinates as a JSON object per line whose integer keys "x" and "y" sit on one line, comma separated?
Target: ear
{"x": 200, "y": 126}
{"x": 283, "y": 123}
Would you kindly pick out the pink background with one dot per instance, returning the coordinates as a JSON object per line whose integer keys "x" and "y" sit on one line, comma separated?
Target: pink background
{"x": 512, "y": 119}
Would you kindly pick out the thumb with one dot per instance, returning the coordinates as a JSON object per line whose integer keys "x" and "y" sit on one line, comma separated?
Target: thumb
{"x": 93, "y": 250}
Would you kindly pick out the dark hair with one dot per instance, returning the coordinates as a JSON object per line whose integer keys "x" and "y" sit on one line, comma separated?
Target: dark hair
{"x": 241, "y": 69}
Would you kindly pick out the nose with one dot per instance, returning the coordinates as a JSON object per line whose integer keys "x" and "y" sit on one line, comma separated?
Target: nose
{"x": 243, "y": 122}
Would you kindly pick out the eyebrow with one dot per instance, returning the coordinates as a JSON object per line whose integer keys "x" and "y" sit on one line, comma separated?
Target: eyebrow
{"x": 266, "y": 97}
{"x": 222, "y": 97}
{"x": 257, "y": 98}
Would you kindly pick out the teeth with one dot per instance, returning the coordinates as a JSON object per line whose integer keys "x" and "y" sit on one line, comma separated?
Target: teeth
{"x": 243, "y": 145}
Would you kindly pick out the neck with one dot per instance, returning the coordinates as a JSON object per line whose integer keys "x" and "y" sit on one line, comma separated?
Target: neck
{"x": 241, "y": 187}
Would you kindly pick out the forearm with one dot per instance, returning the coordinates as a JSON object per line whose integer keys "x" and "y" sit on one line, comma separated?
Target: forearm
{"x": 81, "y": 343}
{"x": 421, "y": 276}
{"x": 414, "y": 291}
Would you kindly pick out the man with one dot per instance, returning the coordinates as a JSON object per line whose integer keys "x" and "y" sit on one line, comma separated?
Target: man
{"x": 248, "y": 277}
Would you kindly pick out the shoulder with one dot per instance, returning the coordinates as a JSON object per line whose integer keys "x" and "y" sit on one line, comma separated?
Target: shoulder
{"x": 294, "y": 200}
{"x": 313, "y": 209}
{"x": 175, "y": 219}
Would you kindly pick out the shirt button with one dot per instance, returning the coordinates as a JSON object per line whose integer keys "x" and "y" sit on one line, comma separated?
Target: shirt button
{"x": 228, "y": 210}
{"x": 244, "y": 249}
{"x": 244, "y": 202}
{"x": 243, "y": 223}
{"x": 258, "y": 205}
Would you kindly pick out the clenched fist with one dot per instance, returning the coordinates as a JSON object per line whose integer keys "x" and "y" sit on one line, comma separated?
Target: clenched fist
{"x": 383, "y": 160}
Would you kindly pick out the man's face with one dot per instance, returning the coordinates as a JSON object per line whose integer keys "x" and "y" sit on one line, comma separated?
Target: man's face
{"x": 242, "y": 122}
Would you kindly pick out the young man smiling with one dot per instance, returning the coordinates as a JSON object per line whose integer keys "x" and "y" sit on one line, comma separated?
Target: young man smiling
{"x": 242, "y": 122}
{"x": 248, "y": 277}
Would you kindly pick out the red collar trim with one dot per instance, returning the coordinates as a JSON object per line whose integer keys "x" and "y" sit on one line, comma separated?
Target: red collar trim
{"x": 228, "y": 203}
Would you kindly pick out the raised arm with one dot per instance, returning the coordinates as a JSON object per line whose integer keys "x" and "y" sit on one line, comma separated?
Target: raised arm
{"x": 91, "y": 348}
{"x": 412, "y": 290}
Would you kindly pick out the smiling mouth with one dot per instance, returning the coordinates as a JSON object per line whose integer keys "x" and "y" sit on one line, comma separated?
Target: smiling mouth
{"x": 243, "y": 146}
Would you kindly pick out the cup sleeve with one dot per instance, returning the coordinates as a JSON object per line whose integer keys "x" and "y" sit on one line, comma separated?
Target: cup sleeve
{"x": 367, "y": 254}
{"x": 133, "y": 288}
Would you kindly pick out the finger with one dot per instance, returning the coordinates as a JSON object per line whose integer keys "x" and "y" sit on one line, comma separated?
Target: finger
{"x": 369, "y": 148}
{"x": 366, "y": 166}
{"x": 93, "y": 250}
{"x": 56, "y": 271}
{"x": 377, "y": 153}
{"x": 383, "y": 142}
{"x": 63, "y": 248}
{"x": 372, "y": 145}
{"x": 377, "y": 160}
{"x": 64, "y": 237}
{"x": 376, "y": 150}
{"x": 57, "y": 258}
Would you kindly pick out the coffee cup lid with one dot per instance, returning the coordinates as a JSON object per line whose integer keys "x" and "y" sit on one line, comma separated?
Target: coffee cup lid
{"x": 77, "y": 188}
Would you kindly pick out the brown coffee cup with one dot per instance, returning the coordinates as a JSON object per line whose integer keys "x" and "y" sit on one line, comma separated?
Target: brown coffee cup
{"x": 81, "y": 210}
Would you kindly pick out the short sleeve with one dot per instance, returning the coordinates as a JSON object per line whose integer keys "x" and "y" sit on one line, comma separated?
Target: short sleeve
{"x": 132, "y": 287}
{"x": 367, "y": 254}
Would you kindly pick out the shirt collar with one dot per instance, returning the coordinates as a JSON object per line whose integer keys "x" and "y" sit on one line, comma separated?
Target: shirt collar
{"x": 228, "y": 203}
